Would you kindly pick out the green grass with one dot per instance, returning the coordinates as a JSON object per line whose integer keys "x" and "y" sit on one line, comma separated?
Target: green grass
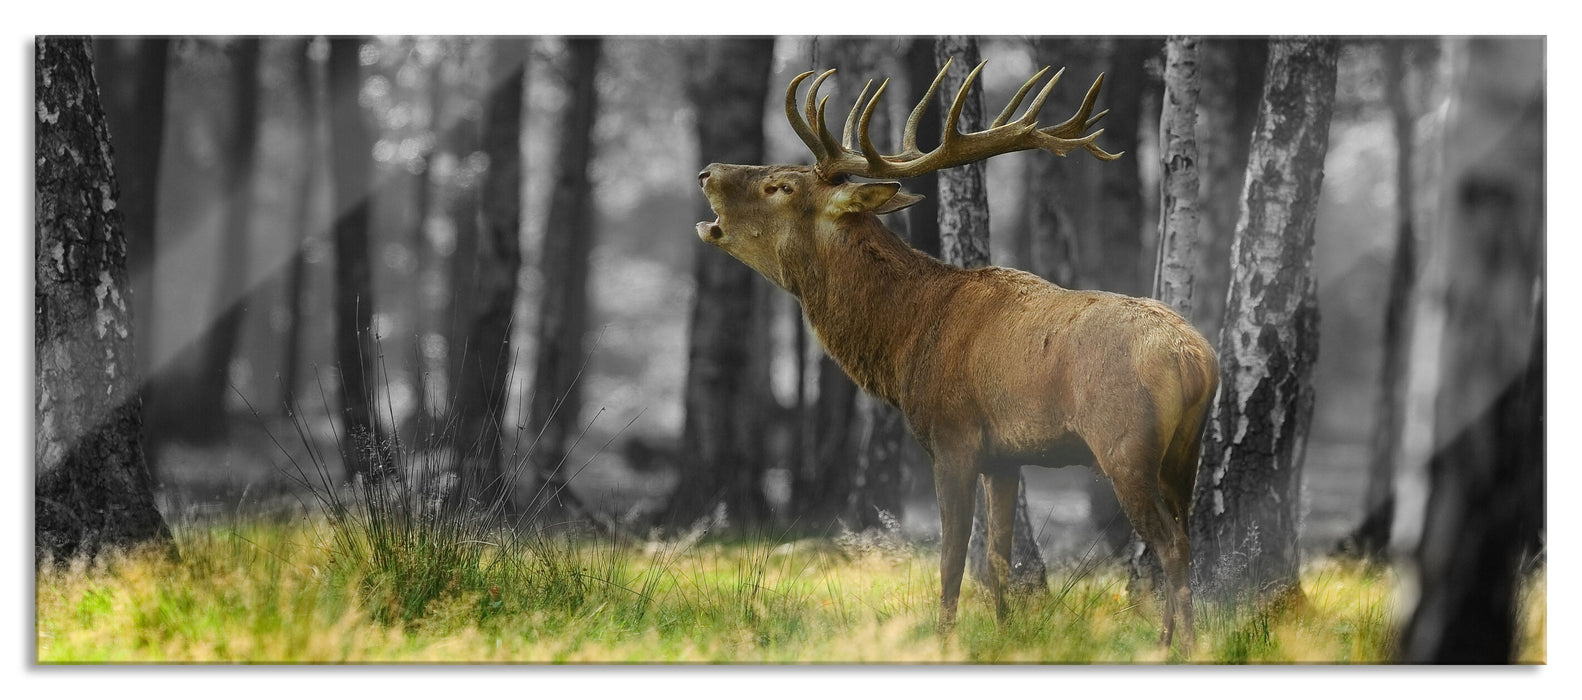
{"x": 291, "y": 592}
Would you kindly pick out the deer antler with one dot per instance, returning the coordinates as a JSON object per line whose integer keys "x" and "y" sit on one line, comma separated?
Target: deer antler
{"x": 955, "y": 148}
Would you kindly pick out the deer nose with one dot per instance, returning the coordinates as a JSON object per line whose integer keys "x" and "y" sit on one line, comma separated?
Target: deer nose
{"x": 707, "y": 172}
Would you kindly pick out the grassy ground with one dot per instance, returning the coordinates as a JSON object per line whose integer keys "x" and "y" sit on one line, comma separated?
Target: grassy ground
{"x": 302, "y": 591}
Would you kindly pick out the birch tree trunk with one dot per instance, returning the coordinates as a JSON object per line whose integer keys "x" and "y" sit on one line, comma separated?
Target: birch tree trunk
{"x": 964, "y": 241}
{"x": 92, "y": 488}
{"x": 1246, "y": 506}
{"x": 722, "y": 438}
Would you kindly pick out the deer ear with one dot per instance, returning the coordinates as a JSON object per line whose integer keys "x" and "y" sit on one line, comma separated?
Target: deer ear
{"x": 900, "y": 201}
{"x": 876, "y": 197}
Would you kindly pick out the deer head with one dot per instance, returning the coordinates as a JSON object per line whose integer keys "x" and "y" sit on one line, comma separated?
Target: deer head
{"x": 773, "y": 217}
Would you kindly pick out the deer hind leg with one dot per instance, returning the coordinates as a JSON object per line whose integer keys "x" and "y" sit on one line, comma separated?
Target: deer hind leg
{"x": 1134, "y": 472}
{"x": 999, "y": 490}
{"x": 1178, "y": 477}
{"x": 953, "y": 487}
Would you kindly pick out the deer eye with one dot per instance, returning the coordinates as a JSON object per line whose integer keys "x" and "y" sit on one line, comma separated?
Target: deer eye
{"x": 781, "y": 187}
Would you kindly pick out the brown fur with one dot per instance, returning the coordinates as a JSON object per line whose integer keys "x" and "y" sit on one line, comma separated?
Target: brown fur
{"x": 992, "y": 367}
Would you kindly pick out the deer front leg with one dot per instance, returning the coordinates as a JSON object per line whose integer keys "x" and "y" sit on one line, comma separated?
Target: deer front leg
{"x": 999, "y": 490}
{"x": 953, "y": 487}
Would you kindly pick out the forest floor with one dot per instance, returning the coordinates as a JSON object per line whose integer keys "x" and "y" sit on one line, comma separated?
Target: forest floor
{"x": 265, "y": 577}
{"x": 293, "y": 591}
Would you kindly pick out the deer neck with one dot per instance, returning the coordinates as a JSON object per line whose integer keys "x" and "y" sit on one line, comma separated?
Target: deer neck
{"x": 866, "y": 298}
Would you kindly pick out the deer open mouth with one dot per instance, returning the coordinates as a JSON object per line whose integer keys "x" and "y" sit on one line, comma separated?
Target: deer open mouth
{"x": 710, "y": 230}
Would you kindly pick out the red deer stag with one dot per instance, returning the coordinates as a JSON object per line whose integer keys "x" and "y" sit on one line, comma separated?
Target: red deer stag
{"x": 992, "y": 367}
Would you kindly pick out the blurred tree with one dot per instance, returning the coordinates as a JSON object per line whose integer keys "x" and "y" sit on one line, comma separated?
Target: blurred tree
{"x": 483, "y": 379}
{"x": 419, "y": 239}
{"x": 132, "y": 72}
{"x": 1178, "y": 226}
{"x": 1485, "y": 510}
{"x": 462, "y": 140}
{"x": 727, "y": 382}
{"x": 207, "y": 414}
{"x": 1371, "y": 538}
{"x": 1125, "y": 266}
{"x": 364, "y": 450}
{"x": 964, "y": 241}
{"x": 92, "y": 487}
{"x": 307, "y": 76}
{"x": 1248, "y": 496}
{"x": 1229, "y": 94}
{"x": 563, "y": 312}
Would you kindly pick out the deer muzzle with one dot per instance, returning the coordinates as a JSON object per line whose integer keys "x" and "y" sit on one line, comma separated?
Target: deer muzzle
{"x": 709, "y": 231}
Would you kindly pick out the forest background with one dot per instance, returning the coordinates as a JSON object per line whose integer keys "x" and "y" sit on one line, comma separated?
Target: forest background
{"x": 648, "y": 263}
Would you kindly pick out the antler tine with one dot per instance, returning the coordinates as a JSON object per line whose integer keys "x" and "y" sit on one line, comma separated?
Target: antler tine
{"x": 851, "y": 117}
{"x": 828, "y": 147}
{"x": 1078, "y": 122}
{"x": 1100, "y": 153}
{"x": 837, "y": 157}
{"x": 1030, "y": 117}
{"x": 871, "y": 154}
{"x": 800, "y": 126}
{"x": 952, "y": 124}
{"x": 1010, "y": 107}
{"x": 831, "y": 146}
{"x": 909, "y": 135}
{"x": 1094, "y": 120}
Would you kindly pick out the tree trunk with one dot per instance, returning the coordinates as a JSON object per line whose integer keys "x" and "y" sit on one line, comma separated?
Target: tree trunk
{"x": 420, "y": 321}
{"x": 1248, "y": 495}
{"x": 463, "y": 141}
{"x": 364, "y": 451}
{"x": 1228, "y": 97}
{"x": 92, "y": 488}
{"x": 563, "y": 314}
{"x": 1119, "y": 216}
{"x": 233, "y": 240}
{"x": 1486, "y": 492}
{"x": 1178, "y": 219}
{"x": 1178, "y": 227}
{"x": 308, "y": 160}
{"x": 482, "y": 381}
{"x": 1371, "y": 539}
{"x": 726, "y": 385}
{"x": 964, "y": 241}
{"x": 133, "y": 92}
